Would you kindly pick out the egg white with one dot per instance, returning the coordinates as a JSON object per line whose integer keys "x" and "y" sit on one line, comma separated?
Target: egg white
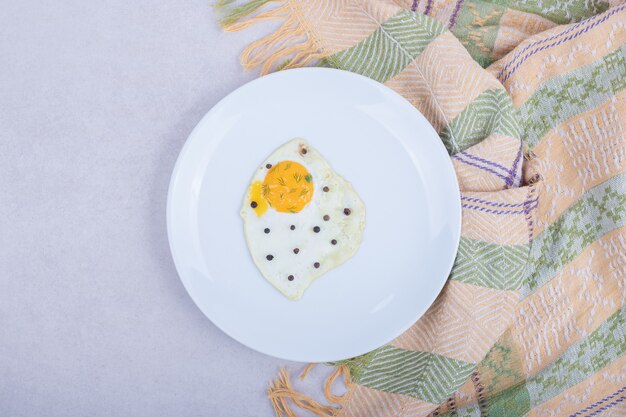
{"x": 313, "y": 247}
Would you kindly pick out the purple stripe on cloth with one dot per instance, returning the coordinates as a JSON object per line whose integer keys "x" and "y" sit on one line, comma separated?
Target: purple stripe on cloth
{"x": 542, "y": 41}
{"x": 430, "y": 2}
{"x": 565, "y": 32}
{"x": 455, "y": 14}
{"x": 486, "y": 210}
{"x": 594, "y": 405}
{"x": 606, "y": 407}
{"x": 529, "y": 219}
{"x": 414, "y": 6}
{"x": 491, "y": 171}
{"x": 531, "y": 230}
{"x": 491, "y": 203}
{"x": 484, "y": 161}
{"x": 513, "y": 171}
{"x": 575, "y": 35}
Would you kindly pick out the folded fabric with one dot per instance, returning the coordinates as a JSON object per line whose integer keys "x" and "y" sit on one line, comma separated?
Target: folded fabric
{"x": 532, "y": 320}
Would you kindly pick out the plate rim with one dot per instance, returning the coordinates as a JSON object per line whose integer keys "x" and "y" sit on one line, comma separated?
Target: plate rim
{"x": 456, "y": 221}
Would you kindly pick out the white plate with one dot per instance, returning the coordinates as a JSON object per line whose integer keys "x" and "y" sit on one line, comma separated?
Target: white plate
{"x": 373, "y": 138}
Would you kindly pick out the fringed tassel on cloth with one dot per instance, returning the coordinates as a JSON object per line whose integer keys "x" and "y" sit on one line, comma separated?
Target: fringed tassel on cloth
{"x": 291, "y": 46}
{"x": 283, "y": 396}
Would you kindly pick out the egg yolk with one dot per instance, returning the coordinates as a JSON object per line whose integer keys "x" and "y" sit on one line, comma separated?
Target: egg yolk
{"x": 287, "y": 187}
{"x": 257, "y": 201}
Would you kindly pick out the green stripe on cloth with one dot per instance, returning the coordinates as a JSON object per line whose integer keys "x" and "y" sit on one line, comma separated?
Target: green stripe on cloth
{"x": 388, "y": 50}
{"x": 509, "y": 403}
{"x": 491, "y": 112}
{"x": 234, "y": 13}
{"x": 472, "y": 410}
{"x": 490, "y": 265}
{"x": 423, "y": 375}
{"x": 584, "y": 358}
{"x": 502, "y": 363}
{"x": 477, "y": 29}
{"x": 573, "y": 93}
{"x": 502, "y": 366}
{"x": 599, "y": 211}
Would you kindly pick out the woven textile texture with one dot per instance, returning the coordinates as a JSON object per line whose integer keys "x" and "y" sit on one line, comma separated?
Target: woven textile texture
{"x": 529, "y": 98}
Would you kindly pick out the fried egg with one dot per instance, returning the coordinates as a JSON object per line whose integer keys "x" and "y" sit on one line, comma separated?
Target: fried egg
{"x": 301, "y": 219}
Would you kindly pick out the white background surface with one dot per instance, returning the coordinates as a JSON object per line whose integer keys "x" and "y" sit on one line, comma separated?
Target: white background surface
{"x": 96, "y": 100}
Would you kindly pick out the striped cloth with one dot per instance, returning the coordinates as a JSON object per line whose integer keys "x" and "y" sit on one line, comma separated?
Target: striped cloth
{"x": 529, "y": 98}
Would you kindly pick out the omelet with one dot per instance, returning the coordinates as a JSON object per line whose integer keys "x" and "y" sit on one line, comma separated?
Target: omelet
{"x": 301, "y": 219}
